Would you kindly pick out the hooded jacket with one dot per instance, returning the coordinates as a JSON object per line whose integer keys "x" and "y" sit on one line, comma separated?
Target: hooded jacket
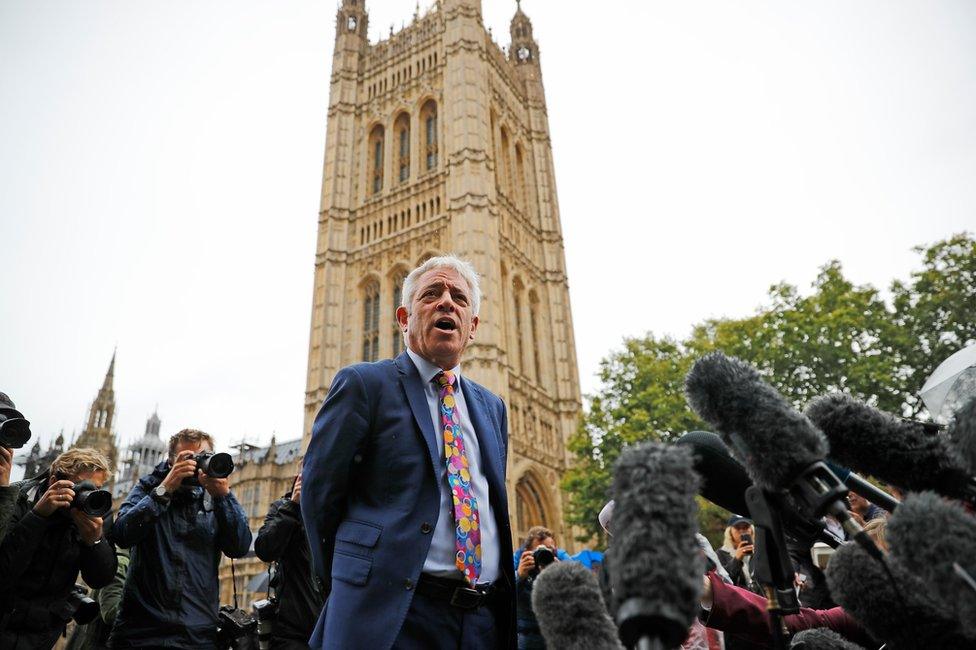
{"x": 172, "y": 594}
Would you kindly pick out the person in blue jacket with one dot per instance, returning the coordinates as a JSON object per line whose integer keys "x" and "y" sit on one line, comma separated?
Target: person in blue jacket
{"x": 176, "y": 533}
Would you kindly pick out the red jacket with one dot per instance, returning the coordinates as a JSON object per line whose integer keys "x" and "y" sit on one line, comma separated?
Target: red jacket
{"x": 742, "y": 613}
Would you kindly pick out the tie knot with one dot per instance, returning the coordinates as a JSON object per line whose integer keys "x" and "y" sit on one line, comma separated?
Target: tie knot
{"x": 444, "y": 378}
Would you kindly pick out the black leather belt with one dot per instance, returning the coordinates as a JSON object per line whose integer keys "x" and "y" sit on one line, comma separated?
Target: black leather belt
{"x": 455, "y": 592}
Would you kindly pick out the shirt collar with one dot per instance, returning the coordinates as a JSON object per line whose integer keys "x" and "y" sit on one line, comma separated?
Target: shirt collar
{"x": 428, "y": 370}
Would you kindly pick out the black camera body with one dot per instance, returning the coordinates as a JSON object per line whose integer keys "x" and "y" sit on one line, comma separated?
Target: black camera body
{"x": 14, "y": 428}
{"x": 91, "y": 499}
{"x": 80, "y": 607}
{"x": 266, "y": 612}
{"x": 543, "y": 557}
{"x": 232, "y": 624}
{"x": 219, "y": 465}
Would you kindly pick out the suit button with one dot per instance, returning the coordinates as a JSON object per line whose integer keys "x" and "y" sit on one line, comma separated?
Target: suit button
{"x": 408, "y": 585}
{"x": 425, "y": 528}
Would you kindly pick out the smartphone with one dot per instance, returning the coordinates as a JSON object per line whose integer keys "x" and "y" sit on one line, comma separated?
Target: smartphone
{"x": 746, "y": 537}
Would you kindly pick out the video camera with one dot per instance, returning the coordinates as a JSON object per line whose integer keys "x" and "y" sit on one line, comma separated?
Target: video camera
{"x": 219, "y": 465}
{"x": 14, "y": 428}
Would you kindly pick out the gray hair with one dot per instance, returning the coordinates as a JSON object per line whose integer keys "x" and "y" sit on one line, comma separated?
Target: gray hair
{"x": 464, "y": 269}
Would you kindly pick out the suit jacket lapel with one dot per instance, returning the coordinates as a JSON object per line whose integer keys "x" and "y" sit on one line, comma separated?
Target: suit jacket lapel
{"x": 485, "y": 429}
{"x": 414, "y": 388}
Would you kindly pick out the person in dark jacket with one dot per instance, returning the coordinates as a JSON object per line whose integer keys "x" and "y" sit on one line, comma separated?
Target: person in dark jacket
{"x": 529, "y": 634}
{"x": 176, "y": 533}
{"x": 45, "y": 545}
{"x": 282, "y": 539}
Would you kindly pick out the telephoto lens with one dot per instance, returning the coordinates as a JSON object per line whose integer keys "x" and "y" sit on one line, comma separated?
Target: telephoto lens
{"x": 14, "y": 428}
{"x": 215, "y": 465}
{"x": 91, "y": 499}
{"x": 265, "y": 611}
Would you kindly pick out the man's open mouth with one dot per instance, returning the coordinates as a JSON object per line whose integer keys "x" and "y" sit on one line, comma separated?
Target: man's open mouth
{"x": 445, "y": 325}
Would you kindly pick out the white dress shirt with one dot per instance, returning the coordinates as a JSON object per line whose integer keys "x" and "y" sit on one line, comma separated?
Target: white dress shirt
{"x": 440, "y": 558}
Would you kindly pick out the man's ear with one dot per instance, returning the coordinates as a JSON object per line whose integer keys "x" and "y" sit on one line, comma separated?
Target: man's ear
{"x": 401, "y": 318}
{"x": 474, "y": 326}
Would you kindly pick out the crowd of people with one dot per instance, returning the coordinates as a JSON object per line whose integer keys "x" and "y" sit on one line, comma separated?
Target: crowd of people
{"x": 395, "y": 534}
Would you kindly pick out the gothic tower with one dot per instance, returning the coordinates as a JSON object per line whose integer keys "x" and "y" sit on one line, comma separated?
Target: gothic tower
{"x": 438, "y": 141}
{"x": 98, "y": 431}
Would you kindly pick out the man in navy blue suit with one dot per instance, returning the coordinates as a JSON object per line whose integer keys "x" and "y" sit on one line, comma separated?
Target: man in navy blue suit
{"x": 404, "y": 487}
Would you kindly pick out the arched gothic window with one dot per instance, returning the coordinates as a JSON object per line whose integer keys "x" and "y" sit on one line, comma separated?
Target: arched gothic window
{"x": 534, "y": 327}
{"x": 397, "y": 299}
{"x": 505, "y": 163}
{"x": 376, "y": 158}
{"x": 402, "y": 130}
{"x": 529, "y": 506}
{"x": 520, "y": 178}
{"x": 517, "y": 304}
{"x": 428, "y": 117}
{"x": 371, "y": 322}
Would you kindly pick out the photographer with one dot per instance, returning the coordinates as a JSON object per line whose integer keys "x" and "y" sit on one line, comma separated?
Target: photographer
{"x": 282, "y": 539}
{"x": 538, "y": 552}
{"x": 48, "y": 540}
{"x": 176, "y": 522}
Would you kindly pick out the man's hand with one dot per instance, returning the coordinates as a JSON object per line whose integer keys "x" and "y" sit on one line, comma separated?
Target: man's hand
{"x": 743, "y": 549}
{"x": 217, "y": 487}
{"x": 184, "y": 468}
{"x": 6, "y": 464}
{"x": 707, "y": 597}
{"x": 526, "y": 564}
{"x": 58, "y": 495}
{"x": 296, "y": 493}
{"x": 89, "y": 528}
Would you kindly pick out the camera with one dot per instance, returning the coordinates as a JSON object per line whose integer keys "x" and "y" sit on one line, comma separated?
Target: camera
{"x": 14, "y": 428}
{"x": 91, "y": 499}
{"x": 232, "y": 624}
{"x": 80, "y": 607}
{"x": 218, "y": 465}
{"x": 265, "y": 611}
{"x": 543, "y": 557}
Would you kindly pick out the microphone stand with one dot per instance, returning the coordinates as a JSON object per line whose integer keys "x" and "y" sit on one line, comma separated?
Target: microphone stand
{"x": 771, "y": 559}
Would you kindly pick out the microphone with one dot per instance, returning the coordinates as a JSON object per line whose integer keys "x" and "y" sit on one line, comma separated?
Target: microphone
{"x": 894, "y": 605}
{"x": 656, "y": 566}
{"x": 856, "y": 483}
{"x": 570, "y": 610}
{"x": 932, "y": 537}
{"x": 962, "y": 433}
{"x": 724, "y": 483}
{"x": 781, "y": 448}
{"x": 910, "y": 455}
{"x": 820, "y": 638}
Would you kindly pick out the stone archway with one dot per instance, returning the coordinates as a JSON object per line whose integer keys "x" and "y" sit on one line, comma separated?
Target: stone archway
{"x": 532, "y": 506}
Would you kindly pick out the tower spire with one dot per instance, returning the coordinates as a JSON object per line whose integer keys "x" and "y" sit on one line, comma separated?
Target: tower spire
{"x": 110, "y": 375}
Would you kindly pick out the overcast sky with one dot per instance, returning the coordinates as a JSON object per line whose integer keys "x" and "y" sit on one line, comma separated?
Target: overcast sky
{"x": 160, "y": 168}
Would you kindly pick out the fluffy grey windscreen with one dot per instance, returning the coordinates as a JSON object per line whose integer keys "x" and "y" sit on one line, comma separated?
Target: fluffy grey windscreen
{"x": 568, "y": 605}
{"x": 732, "y": 397}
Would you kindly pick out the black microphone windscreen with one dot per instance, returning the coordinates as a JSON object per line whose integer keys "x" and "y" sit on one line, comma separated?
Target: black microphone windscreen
{"x": 962, "y": 433}
{"x": 910, "y": 618}
{"x": 731, "y": 396}
{"x": 570, "y": 610}
{"x": 928, "y": 534}
{"x": 900, "y": 452}
{"x": 723, "y": 480}
{"x": 821, "y": 638}
{"x": 655, "y": 561}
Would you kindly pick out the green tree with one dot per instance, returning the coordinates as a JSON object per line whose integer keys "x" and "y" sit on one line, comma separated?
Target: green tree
{"x": 935, "y": 311}
{"x": 840, "y": 337}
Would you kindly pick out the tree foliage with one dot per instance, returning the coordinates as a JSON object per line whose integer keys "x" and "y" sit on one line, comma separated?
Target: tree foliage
{"x": 838, "y": 337}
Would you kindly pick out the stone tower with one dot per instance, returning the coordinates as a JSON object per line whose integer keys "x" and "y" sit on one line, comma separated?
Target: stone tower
{"x": 438, "y": 141}
{"x": 98, "y": 431}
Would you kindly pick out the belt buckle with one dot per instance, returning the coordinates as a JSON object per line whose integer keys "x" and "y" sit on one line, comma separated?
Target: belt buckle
{"x": 466, "y": 598}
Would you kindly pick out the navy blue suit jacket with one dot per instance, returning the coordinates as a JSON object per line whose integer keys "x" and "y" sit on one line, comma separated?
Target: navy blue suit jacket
{"x": 370, "y": 499}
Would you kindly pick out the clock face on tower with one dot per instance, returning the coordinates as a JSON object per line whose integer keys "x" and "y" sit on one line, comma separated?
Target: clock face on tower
{"x": 523, "y": 53}
{"x": 351, "y": 23}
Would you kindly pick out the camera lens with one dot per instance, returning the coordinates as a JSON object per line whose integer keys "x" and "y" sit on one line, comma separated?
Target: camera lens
{"x": 219, "y": 465}
{"x": 14, "y": 432}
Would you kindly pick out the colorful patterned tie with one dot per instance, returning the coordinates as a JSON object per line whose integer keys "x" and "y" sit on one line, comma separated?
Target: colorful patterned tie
{"x": 467, "y": 533}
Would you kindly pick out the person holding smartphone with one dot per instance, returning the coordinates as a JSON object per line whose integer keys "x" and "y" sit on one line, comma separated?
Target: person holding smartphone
{"x": 736, "y": 556}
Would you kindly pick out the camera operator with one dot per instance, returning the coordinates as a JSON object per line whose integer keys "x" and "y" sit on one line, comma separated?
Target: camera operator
{"x": 48, "y": 540}
{"x": 538, "y": 552}
{"x": 282, "y": 539}
{"x": 176, "y": 522}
